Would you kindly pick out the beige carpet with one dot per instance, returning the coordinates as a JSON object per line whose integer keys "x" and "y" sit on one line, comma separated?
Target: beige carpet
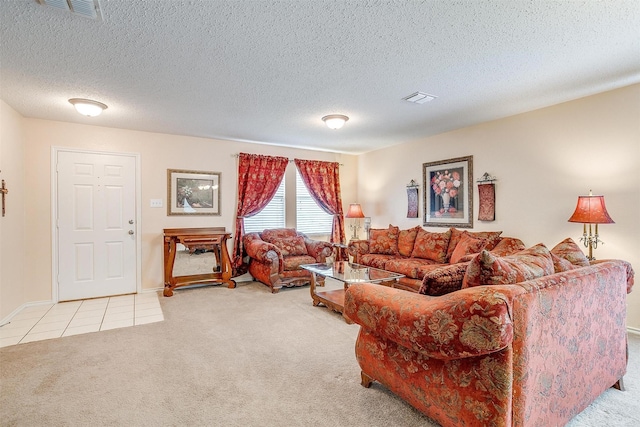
{"x": 226, "y": 357}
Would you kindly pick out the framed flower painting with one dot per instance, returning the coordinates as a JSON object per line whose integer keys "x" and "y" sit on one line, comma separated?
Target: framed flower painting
{"x": 193, "y": 192}
{"x": 448, "y": 193}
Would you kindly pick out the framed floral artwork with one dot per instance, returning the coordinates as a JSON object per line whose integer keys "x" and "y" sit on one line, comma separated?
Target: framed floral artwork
{"x": 193, "y": 192}
{"x": 448, "y": 193}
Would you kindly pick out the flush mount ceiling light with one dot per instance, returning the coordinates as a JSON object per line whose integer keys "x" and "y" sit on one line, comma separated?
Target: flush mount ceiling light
{"x": 419, "y": 97}
{"x": 87, "y": 107}
{"x": 335, "y": 121}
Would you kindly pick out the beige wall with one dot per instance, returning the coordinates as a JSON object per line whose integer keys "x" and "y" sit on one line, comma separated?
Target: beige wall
{"x": 158, "y": 152}
{"x": 543, "y": 160}
{"x": 12, "y": 226}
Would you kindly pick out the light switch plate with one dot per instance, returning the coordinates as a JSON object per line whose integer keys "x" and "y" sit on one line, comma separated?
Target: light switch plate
{"x": 156, "y": 203}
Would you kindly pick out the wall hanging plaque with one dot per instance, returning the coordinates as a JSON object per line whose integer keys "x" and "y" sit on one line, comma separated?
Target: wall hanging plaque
{"x": 412, "y": 199}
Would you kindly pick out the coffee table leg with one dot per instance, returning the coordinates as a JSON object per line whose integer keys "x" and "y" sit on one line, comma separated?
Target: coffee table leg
{"x": 312, "y": 289}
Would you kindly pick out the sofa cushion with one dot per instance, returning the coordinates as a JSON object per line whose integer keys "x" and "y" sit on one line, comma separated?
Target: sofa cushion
{"x": 508, "y": 246}
{"x": 376, "y": 260}
{"x": 466, "y": 246}
{"x": 489, "y": 269}
{"x": 561, "y": 264}
{"x": 295, "y": 261}
{"x": 291, "y": 246}
{"x": 569, "y": 250}
{"x": 443, "y": 280}
{"x": 410, "y": 267}
{"x": 406, "y": 239}
{"x": 273, "y": 234}
{"x": 384, "y": 241}
{"x": 431, "y": 246}
{"x": 493, "y": 237}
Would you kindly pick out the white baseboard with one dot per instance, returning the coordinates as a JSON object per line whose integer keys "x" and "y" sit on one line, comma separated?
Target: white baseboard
{"x": 634, "y": 331}
{"x": 20, "y": 308}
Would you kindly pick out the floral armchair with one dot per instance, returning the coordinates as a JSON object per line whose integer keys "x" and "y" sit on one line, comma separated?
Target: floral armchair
{"x": 277, "y": 254}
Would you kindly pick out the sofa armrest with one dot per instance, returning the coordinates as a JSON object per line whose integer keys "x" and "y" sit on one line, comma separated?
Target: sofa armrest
{"x": 264, "y": 252}
{"x": 628, "y": 267}
{"x": 318, "y": 249}
{"x": 466, "y": 323}
{"x": 357, "y": 248}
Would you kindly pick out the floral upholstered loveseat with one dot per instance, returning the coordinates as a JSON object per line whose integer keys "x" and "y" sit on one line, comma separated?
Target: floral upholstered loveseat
{"x": 530, "y": 340}
{"x": 277, "y": 254}
{"x": 433, "y": 263}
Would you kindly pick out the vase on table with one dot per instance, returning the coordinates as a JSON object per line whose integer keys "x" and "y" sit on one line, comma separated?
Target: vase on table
{"x": 446, "y": 200}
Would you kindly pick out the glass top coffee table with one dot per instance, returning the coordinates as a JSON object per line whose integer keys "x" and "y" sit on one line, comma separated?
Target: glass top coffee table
{"x": 348, "y": 273}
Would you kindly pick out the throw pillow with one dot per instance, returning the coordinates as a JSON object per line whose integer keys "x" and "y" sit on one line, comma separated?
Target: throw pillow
{"x": 443, "y": 280}
{"x": 431, "y": 246}
{"x": 384, "y": 241}
{"x": 489, "y": 269}
{"x": 291, "y": 246}
{"x": 406, "y": 239}
{"x": 561, "y": 264}
{"x": 466, "y": 246}
{"x": 569, "y": 250}
{"x": 493, "y": 237}
{"x": 508, "y": 246}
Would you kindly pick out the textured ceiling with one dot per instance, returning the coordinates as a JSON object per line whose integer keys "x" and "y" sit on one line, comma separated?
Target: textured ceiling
{"x": 267, "y": 71}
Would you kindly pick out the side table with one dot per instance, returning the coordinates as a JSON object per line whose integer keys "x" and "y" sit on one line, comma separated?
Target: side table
{"x": 210, "y": 237}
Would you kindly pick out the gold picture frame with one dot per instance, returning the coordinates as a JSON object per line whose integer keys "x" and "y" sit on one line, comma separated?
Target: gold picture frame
{"x": 448, "y": 193}
{"x": 193, "y": 192}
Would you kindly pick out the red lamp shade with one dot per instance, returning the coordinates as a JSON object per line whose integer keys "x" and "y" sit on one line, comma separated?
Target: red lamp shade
{"x": 355, "y": 211}
{"x": 591, "y": 210}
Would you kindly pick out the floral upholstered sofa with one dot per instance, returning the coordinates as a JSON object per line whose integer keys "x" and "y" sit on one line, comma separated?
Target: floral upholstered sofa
{"x": 531, "y": 339}
{"x": 277, "y": 254}
{"x": 433, "y": 263}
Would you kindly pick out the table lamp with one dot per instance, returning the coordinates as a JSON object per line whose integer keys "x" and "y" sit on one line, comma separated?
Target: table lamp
{"x": 355, "y": 211}
{"x": 591, "y": 210}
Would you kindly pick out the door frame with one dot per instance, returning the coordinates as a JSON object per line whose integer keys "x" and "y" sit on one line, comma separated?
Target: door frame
{"x": 54, "y": 209}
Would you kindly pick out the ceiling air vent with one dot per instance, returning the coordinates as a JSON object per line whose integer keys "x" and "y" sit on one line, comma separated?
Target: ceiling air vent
{"x": 87, "y": 8}
{"x": 419, "y": 98}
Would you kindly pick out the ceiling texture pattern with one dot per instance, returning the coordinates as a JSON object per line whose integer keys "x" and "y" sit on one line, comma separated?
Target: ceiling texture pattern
{"x": 267, "y": 71}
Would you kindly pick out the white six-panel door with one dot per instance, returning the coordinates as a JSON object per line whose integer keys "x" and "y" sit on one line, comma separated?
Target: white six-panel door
{"x": 96, "y": 229}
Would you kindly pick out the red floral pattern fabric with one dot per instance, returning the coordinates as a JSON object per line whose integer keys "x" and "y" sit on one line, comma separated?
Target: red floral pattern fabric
{"x": 375, "y": 260}
{"x": 323, "y": 182}
{"x": 406, "y": 239}
{"x": 431, "y": 246}
{"x": 561, "y": 342}
{"x": 489, "y": 269}
{"x": 258, "y": 180}
{"x": 443, "y": 280}
{"x": 508, "y": 246}
{"x": 291, "y": 246}
{"x": 569, "y": 250}
{"x": 561, "y": 264}
{"x": 466, "y": 246}
{"x": 411, "y": 267}
{"x": 493, "y": 237}
{"x": 384, "y": 241}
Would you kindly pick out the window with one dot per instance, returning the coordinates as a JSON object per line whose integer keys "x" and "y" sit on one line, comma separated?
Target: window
{"x": 272, "y": 216}
{"x": 310, "y": 218}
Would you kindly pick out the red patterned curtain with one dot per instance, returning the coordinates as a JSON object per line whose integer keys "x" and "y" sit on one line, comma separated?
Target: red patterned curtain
{"x": 258, "y": 180}
{"x": 323, "y": 181}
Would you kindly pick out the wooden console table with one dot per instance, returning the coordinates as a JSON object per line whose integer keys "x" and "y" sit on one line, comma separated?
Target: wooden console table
{"x": 213, "y": 237}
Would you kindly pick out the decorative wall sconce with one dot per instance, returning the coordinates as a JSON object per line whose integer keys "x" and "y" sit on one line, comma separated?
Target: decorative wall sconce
{"x": 591, "y": 210}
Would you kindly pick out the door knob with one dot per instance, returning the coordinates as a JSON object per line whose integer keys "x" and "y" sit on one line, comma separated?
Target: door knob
{"x": 130, "y": 221}
{"x": 131, "y": 232}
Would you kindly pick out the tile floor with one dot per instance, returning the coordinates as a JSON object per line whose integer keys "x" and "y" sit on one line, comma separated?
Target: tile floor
{"x": 48, "y": 321}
